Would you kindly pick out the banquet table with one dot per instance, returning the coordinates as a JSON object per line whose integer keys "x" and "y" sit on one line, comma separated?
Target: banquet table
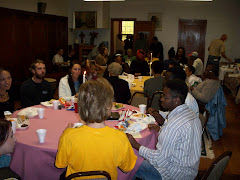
{"x": 32, "y": 160}
{"x": 137, "y": 86}
{"x": 222, "y": 71}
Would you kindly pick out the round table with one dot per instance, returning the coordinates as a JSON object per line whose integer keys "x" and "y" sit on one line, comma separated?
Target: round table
{"x": 32, "y": 160}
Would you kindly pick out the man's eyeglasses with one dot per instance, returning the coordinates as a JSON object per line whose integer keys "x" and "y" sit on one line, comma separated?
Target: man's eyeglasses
{"x": 164, "y": 97}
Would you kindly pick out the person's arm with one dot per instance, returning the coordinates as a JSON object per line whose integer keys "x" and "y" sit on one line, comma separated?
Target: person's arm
{"x": 224, "y": 55}
{"x": 158, "y": 117}
{"x": 204, "y": 95}
{"x": 64, "y": 90}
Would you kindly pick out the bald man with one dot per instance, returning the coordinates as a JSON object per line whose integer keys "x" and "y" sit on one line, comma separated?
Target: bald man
{"x": 216, "y": 50}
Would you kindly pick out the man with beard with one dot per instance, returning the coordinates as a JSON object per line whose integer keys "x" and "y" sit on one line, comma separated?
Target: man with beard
{"x": 178, "y": 148}
{"x": 36, "y": 89}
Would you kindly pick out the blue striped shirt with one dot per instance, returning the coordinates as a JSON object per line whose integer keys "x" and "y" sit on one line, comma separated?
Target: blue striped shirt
{"x": 178, "y": 150}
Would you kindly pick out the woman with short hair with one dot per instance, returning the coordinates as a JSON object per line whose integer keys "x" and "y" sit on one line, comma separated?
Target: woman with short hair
{"x": 69, "y": 85}
{"x": 121, "y": 89}
{"x": 95, "y": 146}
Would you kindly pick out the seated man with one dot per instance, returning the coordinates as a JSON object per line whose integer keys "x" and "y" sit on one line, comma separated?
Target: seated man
{"x": 178, "y": 150}
{"x": 36, "y": 89}
{"x": 95, "y": 146}
{"x": 121, "y": 89}
{"x": 192, "y": 80}
{"x": 58, "y": 60}
{"x": 196, "y": 63}
{"x": 206, "y": 90}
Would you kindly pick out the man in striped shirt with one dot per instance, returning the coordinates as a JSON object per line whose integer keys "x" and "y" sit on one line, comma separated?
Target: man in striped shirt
{"x": 178, "y": 150}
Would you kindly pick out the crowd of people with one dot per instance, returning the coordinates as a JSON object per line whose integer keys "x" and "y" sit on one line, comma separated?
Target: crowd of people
{"x": 184, "y": 85}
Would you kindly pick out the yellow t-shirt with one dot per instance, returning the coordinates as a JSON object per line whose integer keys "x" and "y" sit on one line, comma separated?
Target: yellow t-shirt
{"x": 153, "y": 59}
{"x": 94, "y": 149}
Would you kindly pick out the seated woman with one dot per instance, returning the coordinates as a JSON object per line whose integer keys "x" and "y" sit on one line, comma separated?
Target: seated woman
{"x": 121, "y": 89}
{"x": 102, "y": 58}
{"x": 69, "y": 84}
{"x": 180, "y": 56}
{"x": 171, "y": 58}
{"x": 6, "y": 97}
{"x": 95, "y": 146}
{"x": 7, "y": 145}
{"x": 206, "y": 90}
{"x": 140, "y": 66}
{"x": 129, "y": 57}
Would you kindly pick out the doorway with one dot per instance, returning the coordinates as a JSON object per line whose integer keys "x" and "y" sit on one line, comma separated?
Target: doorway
{"x": 191, "y": 36}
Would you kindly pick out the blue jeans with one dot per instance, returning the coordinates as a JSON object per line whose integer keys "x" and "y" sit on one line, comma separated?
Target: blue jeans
{"x": 214, "y": 60}
{"x": 147, "y": 172}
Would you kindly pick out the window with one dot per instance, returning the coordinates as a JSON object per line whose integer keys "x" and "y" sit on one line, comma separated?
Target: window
{"x": 127, "y": 29}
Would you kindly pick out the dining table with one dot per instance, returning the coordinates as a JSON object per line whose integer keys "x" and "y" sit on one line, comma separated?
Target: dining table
{"x": 34, "y": 160}
{"x": 135, "y": 84}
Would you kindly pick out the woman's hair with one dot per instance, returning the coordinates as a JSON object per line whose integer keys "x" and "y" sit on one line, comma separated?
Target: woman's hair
{"x": 183, "y": 55}
{"x": 95, "y": 100}
{"x": 171, "y": 53}
{"x": 4, "y": 69}
{"x": 140, "y": 54}
{"x": 115, "y": 69}
{"x": 101, "y": 51}
{"x": 70, "y": 80}
{"x": 4, "y": 130}
{"x": 157, "y": 67}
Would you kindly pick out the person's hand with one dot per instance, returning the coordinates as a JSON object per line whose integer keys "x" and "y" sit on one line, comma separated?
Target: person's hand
{"x": 70, "y": 125}
{"x": 76, "y": 95}
{"x": 133, "y": 141}
{"x": 151, "y": 110}
{"x": 154, "y": 127}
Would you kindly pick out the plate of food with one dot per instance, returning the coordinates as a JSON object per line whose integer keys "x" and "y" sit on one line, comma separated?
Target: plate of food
{"x": 48, "y": 103}
{"x": 117, "y": 106}
{"x": 134, "y": 84}
{"x": 29, "y": 112}
{"x": 22, "y": 122}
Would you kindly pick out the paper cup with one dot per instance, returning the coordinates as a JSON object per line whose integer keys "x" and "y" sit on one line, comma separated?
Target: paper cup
{"x": 73, "y": 100}
{"x": 40, "y": 112}
{"x": 14, "y": 126}
{"x": 55, "y": 104}
{"x": 41, "y": 133}
{"x": 133, "y": 77}
{"x": 142, "y": 108}
{"x": 140, "y": 78}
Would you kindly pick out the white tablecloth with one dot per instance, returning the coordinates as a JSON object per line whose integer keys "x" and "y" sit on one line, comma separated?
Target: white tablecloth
{"x": 222, "y": 72}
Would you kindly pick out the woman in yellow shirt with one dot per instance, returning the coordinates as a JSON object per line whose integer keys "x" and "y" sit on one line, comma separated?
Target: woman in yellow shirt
{"x": 95, "y": 146}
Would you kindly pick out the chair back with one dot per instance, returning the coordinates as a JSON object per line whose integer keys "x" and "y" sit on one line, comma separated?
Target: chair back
{"x": 216, "y": 169}
{"x": 139, "y": 98}
{"x": 154, "y": 102}
{"x": 89, "y": 173}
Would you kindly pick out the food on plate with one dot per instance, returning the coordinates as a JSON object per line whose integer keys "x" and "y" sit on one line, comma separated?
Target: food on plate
{"x": 21, "y": 119}
{"x": 51, "y": 101}
{"x": 118, "y": 105}
{"x": 24, "y": 125}
{"x": 7, "y": 114}
{"x": 139, "y": 115}
{"x": 134, "y": 112}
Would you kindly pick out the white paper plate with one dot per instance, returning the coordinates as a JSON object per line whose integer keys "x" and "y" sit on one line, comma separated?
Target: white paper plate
{"x": 30, "y": 112}
{"x": 19, "y": 126}
{"x": 47, "y": 104}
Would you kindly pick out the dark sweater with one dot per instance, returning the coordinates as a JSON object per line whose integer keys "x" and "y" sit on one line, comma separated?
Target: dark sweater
{"x": 121, "y": 89}
{"x": 7, "y": 106}
{"x": 139, "y": 66}
{"x": 33, "y": 93}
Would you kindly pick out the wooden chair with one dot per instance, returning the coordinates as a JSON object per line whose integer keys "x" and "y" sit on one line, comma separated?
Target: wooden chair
{"x": 89, "y": 173}
{"x": 216, "y": 169}
{"x": 154, "y": 102}
{"x": 139, "y": 98}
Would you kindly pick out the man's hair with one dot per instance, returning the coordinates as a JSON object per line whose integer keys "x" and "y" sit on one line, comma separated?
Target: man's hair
{"x": 157, "y": 67}
{"x": 177, "y": 72}
{"x": 214, "y": 69}
{"x": 115, "y": 69}
{"x": 37, "y": 61}
{"x": 191, "y": 69}
{"x": 178, "y": 88}
{"x": 4, "y": 130}
{"x": 95, "y": 100}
